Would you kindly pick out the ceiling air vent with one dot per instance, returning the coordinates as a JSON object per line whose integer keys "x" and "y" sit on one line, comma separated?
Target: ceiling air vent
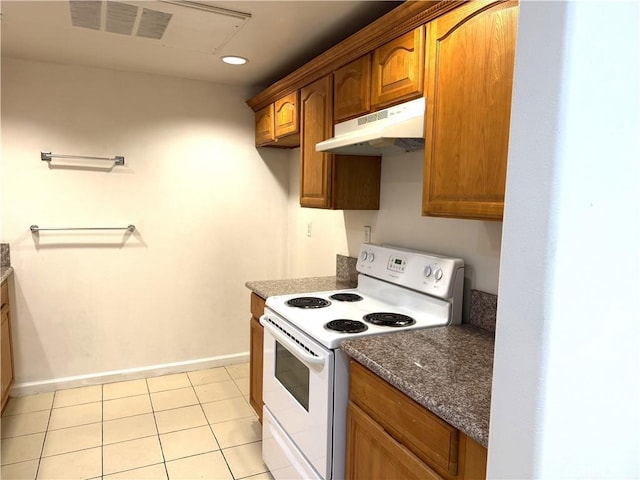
{"x": 86, "y": 14}
{"x": 153, "y": 23}
{"x": 180, "y": 24}
{"x": 118, "y": 17}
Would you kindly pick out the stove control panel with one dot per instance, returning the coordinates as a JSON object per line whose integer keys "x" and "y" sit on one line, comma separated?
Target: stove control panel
{"x": 425, "y": 272}
{"x": 396, "y": 263}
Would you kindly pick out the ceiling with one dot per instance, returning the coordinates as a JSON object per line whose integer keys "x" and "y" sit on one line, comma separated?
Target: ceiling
{"x": 276, "y": 36}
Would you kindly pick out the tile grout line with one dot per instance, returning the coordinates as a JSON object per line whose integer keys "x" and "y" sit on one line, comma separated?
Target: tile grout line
{"x": 235, "y": 382}
{"x": 221, "y": 449}
{"x": 44, "y": 440}
{"x": 155, "y": 422}
{"x": 211, "y": 428}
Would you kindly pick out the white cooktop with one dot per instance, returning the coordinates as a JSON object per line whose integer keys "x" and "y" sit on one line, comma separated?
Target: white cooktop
{"x": 425, "y": 287}
{"x": 426, "y": 311}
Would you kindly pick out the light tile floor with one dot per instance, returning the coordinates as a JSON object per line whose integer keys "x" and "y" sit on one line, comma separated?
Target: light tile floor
{"x": 194, "y": 425}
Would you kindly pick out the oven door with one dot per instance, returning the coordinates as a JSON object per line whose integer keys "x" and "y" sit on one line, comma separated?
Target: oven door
{"x": 298, "y": 394}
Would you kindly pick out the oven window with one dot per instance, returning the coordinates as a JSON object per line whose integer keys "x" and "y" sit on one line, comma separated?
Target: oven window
{"x": 293, "y": 375}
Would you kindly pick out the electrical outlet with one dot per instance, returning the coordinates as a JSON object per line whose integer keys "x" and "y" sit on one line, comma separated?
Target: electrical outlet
{"x": 308, "y": 229}
{"x": 367, "y": 234}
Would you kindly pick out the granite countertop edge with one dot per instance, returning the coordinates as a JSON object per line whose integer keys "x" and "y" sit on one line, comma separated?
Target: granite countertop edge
{"x": 473, "y": 424}
{"x": 5, "y": 272}
{"x": 270, "y": 288}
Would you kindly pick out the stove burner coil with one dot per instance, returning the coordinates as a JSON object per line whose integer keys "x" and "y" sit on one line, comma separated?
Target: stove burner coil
{"x": 346, "y": 297}
{"x": 308, "y": 302}
{"x": 346, "y": 326}
{"x": 388, "y": 319}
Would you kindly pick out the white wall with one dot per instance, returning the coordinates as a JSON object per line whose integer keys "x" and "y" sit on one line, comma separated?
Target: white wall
{"x": 566, "y": 384}
{"x": 398, "y": 222}
{"x": 199, "y": 193}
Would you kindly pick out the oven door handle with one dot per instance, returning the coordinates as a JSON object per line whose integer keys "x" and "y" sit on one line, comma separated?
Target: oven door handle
{"x": 293, "y": 347}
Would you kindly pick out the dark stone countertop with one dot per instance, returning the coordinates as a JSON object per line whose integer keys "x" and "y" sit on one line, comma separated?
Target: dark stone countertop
{"x": 269, "y": 288}
{"x": 448, "y": 370}
{"x": 5, "y": 272}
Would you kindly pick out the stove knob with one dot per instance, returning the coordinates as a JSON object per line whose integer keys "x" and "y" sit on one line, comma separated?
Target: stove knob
{"x": 371, "y": 257}
{"x": 363, "y": 256}
{"x": 427, "y": 271}
{"x": 439, "y": 274}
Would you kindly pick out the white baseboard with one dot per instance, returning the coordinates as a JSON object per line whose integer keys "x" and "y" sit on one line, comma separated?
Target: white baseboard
{"x": 28, "y": 388}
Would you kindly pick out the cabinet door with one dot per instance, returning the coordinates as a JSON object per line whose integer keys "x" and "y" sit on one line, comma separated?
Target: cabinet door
{"x": 352, "y": 89}
{"x": 264, "y": 126}
{"x": 255, "y": 354}
{"x": 375, "y": 455}
{"x": 286, "y": 115}
{"x": 355, "y": 183}
{"x": 255, "y": 374}
{"x": 6, "y": 357}
{"x": 471, "y": 55}
{"x": 428, "y": 437}
{"x": 316, "y": 102}
{"x": 398, "y": 69}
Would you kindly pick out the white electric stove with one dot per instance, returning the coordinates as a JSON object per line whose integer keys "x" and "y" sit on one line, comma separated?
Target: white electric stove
{"x": 306, "y": 376}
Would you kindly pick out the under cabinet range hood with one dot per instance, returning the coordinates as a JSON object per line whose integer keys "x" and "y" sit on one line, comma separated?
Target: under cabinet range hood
{"x": 401, "y": 125}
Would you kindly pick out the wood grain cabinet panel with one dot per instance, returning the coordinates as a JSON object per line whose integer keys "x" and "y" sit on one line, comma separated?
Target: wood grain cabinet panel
{"x": 316, "y": 112}
{"x": 471, "y": 55}
{"x": 341, "y": 182}
{"x": 277, "y": 124}
{"x": 373, "y": 454}
{"x": 428, "y": 437}
{"x": 7, "y": 375}
{"x": 352, "y": 89}
{"x": 398, "y": 69}
{"x": 286, "y": 115}
{"x": 255, "y": 354}
{"x": 390, "y": 436}
{"x": 265, "y": 133}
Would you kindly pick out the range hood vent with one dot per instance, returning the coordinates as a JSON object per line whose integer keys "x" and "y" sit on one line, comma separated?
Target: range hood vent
{"x": 401, "y": 125}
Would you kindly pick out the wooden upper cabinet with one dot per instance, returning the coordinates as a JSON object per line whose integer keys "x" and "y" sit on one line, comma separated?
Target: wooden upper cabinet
{"x": 316, "y": 112}
{"x": 471, "y": 60}
{"x": 287, "y": 119}
{"x": 278, "y": 125}
{"x": 341, "y": 182}
{"x": 398, "y": 69}
{"x": 352, "y": 89}
{"x": 392, "y": 74}
{"x": 265, "y": 133}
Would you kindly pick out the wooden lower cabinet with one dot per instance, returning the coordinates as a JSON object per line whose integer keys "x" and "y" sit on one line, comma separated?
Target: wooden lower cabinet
{"x": 373, "y": 454}
{"x": 255, "y": 354}
{"x": 7, "y": 376}
{"x": 390, "y": 436}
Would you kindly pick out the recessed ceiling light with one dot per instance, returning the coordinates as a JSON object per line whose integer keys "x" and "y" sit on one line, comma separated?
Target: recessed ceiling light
{"x": 234, "y": 60}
